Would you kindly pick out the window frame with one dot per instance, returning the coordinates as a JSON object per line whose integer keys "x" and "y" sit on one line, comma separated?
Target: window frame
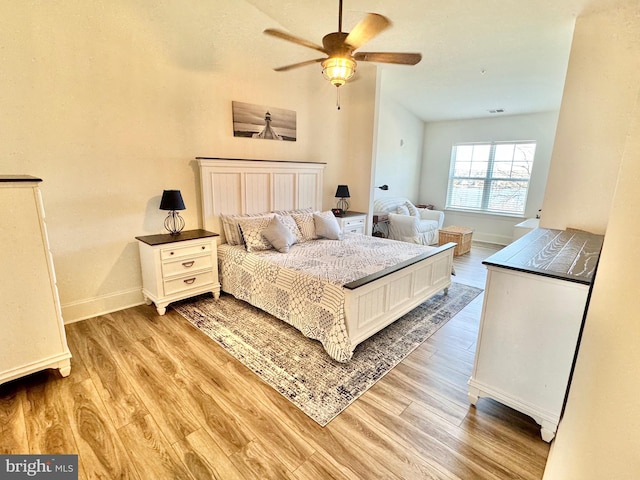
{"x": 488, "y": 179}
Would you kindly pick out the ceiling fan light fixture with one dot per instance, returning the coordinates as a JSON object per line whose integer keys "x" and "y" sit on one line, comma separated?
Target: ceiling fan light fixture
{"x": 338, "y": 70}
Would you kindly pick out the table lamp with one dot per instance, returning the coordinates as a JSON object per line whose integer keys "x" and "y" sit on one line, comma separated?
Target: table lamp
{"x": 172, "y": 201}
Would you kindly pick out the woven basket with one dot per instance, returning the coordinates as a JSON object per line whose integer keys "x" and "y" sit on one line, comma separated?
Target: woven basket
{"x": 460, "y": 235}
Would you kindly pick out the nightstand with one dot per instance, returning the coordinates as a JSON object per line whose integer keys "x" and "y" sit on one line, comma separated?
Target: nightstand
{"x": 175, "y": 267}
{"x": 352, "y": 222}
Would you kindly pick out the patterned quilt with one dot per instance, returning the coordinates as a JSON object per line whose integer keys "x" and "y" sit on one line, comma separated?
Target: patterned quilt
{"x": 305, "y": 286}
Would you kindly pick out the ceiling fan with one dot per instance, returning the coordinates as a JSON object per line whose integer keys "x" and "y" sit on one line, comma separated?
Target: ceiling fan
{"x": 340, "y": 63}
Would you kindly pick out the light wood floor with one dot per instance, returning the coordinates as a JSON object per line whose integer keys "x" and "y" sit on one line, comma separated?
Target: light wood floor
{"x": 150, "y": 397}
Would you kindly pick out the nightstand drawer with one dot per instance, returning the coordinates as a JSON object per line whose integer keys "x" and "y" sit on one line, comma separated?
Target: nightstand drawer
{"x": 188, "y": 282}
{"x": 183, "y": 265}
{"x": 353, "y": 222}
{"x": 176, "y": 251}
{"x": 354, "y": 229}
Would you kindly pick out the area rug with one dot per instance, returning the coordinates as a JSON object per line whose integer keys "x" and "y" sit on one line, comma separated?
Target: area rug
{"x": 298, "y": 367}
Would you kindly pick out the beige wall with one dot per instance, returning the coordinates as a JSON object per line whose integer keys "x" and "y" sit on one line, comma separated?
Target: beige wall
{"x": 109, "y": 102}
{"x": 599, "y": 435}
{"x": 399, "y": 143}
{"x": 597, "y": 105}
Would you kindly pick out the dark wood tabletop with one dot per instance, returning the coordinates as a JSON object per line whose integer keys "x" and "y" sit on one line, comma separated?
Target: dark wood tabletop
{"x": 564, "y": 254}
{"x": 163, "y": 238}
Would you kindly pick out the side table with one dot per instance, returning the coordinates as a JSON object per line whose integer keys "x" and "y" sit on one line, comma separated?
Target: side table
{"x": 460, "y": 235}
{"x": 352, "y": 222}
{"x": 175, "y": 267}
{"x": 380, "y": 225}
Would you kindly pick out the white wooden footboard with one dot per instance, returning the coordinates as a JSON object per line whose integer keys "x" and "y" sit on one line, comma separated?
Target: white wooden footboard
{"x": 372, "y": 306}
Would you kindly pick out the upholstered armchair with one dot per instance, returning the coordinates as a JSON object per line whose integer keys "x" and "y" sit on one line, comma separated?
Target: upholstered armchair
{"x": 409, "y": 223}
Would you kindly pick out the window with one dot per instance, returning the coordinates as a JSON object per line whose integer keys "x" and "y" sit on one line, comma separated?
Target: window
{"x": 490, "y": 177}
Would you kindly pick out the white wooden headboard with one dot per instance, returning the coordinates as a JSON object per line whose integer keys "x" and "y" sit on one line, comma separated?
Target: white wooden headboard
{"x": 232, "y": 186}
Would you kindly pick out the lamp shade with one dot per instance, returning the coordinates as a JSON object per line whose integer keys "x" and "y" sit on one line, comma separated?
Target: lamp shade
{"x": 172, "y": 200}
{"x": 342, "y": 191}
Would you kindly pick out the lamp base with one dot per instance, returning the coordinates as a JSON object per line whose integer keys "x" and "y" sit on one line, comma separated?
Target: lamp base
{"x": 174, "y": 223}
{"x": 343, "y": 204}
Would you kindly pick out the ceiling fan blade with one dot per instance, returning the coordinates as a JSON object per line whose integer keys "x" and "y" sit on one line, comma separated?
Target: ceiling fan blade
{"x": 300, "y": 41}
{"x": 301, "y": 64}
{"x": 366, "y": 29}
{"x": 388, "y": 57}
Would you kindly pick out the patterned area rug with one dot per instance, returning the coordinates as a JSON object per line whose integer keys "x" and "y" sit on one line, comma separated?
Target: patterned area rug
{"x": 298, "y": 367}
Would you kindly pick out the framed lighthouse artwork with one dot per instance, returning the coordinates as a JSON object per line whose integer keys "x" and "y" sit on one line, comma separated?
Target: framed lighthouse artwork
{"x": 263, "y": 122}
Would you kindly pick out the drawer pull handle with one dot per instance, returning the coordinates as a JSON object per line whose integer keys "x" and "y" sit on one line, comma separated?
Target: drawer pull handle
{"x": 188, "y": 264}
{"x": 189, "y": 281}
{"x": 171, "y": 253}
{"x": 203, "y": 247}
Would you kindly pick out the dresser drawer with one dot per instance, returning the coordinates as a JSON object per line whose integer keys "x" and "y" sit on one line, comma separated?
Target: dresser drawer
{"x": 184, "y": 265}
{"x": 188, "y": 282}
{"x": 177, "y": 251}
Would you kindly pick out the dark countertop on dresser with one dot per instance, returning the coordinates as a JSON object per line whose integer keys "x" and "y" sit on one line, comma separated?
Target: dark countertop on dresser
{"x": 570, "y": 255}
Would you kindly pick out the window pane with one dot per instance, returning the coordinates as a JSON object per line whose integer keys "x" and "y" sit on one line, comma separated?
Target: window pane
{"x": 502, "y": 170}
{"x": 507, "y": 197}
{"x": 462, "y": 169}
{"x": 521, "y": 170}
{"x": 463, "y": 153}
{"x": 479, "y": 169}
{"x": 481, "y": 152}
{"x": 466, "y": 194}
{"x": 524, "y": 151}
{"x": 504, "y": 152}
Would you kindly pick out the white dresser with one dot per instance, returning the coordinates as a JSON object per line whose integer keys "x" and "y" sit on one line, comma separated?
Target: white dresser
{"x": 352, "y": 222}
{"x": 33, "y": 336}
{"x": 175, "y": 267}
{"x": 535, "y": 297}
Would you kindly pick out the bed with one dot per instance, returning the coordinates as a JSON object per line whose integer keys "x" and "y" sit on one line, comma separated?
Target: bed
{"x": 340, "y": 305}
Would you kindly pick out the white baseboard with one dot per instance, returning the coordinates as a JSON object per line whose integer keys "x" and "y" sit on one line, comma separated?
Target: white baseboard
{"x": 491, "y": 238}
{"x": 92, "y": 307}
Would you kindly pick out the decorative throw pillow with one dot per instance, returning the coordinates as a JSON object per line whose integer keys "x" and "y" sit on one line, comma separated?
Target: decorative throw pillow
{"x": 279, "y": 235}
{"x": 306, "y": 225}
{"x": 291, "y": 224}
{"x": 230, "y": 226}
{"x": 413, "y": 211}
{"x": 402, "y": 210}
{"x": 327, "y": 226}
{"x": 251, "y": 229}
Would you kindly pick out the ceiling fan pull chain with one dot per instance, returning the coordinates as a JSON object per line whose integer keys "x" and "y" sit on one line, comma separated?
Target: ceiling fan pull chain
{"x": 338, "y": 98}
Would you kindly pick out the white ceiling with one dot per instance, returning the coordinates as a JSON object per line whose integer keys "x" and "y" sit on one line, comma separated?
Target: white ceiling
{"x": 477, "y": 55}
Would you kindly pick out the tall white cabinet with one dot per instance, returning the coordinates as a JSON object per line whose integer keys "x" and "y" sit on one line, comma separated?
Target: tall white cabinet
{"x": 33, "y": 336}
{"x": 535, "y": 297}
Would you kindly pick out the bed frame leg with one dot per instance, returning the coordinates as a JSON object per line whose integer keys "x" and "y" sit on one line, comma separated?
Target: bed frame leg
{"x": 446, "y": 291}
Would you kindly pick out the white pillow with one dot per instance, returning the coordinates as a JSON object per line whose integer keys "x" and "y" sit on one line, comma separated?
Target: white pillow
{"x": 402, "y": 210}
{"x": 412, "y": 209}
{"x": 279, "y": 235}
{"x": 305, "y": 223}
{"x": 251, "y": 229}
{"x": 327, "y": 226}
{"x": 291, "y": 224}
